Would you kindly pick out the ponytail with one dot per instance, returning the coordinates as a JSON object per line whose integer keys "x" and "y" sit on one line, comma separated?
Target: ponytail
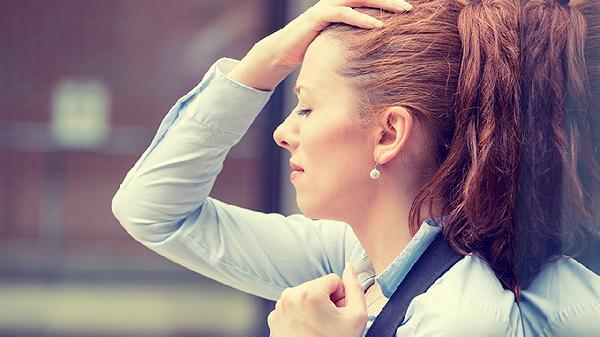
{"x": 520, "y": 179}
{"x": 478, "y": 177}
{"x": 558, "y": 174}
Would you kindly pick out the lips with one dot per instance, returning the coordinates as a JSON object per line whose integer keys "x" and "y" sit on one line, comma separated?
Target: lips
{"x": 296, "y": 170}
{"x": 296, "y": 167}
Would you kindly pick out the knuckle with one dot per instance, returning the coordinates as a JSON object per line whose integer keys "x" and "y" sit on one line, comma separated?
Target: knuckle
{"x": 303, "y": 295}
{"x": 334, "y": 276}
{"x": 308, "y": 297}
{"x": 285, "y": 293}
{"x": 271, "y": 318}
{"x": 286, "y": 299}
{"x": 285, "y": 304}
{"x": 278, "y": 305}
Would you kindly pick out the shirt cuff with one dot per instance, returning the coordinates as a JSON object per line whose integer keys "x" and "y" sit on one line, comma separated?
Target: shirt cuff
{"x": 226, "y": 106}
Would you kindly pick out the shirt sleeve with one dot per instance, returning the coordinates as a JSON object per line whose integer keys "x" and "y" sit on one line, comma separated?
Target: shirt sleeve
{"x": 163, "y": 201}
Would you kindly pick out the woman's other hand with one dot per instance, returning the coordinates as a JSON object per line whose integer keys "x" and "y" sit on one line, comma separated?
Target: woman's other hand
{"x": 277, "y": 55}
{"x": 324, "y": 307}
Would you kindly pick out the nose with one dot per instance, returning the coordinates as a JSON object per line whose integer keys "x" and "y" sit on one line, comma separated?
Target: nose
{"x": 286, "y": 135}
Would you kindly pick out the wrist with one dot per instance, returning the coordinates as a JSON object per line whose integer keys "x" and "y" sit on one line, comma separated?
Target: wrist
{"x": 260, "y": 69}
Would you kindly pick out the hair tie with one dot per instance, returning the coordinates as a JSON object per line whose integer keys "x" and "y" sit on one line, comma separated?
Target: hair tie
{"x": 563, "y": 2}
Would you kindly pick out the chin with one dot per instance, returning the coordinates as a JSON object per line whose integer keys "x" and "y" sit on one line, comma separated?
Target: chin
{"x": 321, "y": 206}
{"x": 307, "y": 209}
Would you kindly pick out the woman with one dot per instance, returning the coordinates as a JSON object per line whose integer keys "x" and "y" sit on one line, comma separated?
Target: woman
{"x": 404, "y": 129}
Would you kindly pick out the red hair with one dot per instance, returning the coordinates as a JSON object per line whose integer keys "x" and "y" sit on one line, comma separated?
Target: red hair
{"x": 459, "y": 69}
{"x": 558, "y": 174}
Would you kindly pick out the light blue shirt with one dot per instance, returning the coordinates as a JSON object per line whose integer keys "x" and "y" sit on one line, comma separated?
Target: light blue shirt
{"x": 164, "y": 204}
{"x": 564, "y": 300}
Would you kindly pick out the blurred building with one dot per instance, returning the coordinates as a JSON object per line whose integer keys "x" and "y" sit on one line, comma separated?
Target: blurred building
{"x": 83, "y": 88}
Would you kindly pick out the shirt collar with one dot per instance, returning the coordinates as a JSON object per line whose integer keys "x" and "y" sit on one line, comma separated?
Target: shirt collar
{"x": 392, "y": 276}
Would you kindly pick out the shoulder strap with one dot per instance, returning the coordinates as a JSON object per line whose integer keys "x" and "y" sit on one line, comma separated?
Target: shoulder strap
{"x": 435, "y": 261}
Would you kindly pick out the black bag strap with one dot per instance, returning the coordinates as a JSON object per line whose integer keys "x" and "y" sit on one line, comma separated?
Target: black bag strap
{"x": 435, "y": 261}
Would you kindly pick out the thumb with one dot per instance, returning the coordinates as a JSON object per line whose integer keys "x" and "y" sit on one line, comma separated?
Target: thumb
{"x": 337, "y": 296}
{"x": 329, "y": 285}
{"x": 354, "y": 292}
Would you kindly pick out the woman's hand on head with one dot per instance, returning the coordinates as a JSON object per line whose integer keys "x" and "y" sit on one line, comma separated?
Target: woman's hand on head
{"x": 324, "y": 307}
{"x": 277, "y": 55}
{"x": 289, "y": 44}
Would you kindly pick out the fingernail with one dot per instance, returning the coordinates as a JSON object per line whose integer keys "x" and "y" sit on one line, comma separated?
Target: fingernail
{"x": 346, "y": 268}
{"x": 350, "y": 268}
{"x": 377, "y": 23}
{"x": 404, "y": 5}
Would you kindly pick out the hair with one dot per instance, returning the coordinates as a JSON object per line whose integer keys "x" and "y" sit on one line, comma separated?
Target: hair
{"x": 456, "y": 67}
{"x": 558, "y": 174}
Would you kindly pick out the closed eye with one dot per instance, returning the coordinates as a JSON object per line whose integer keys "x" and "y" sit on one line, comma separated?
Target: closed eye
{"x": 303, "y": 112}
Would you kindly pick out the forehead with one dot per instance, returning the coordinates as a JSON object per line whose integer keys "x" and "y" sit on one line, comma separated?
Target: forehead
{"x": 318, "y": 72}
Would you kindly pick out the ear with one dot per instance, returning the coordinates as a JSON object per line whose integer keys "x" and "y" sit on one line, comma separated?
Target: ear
{"x": 393, "y": 128}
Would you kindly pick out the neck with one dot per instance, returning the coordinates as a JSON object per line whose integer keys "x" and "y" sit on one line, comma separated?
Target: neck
{"x": 383, "y": 230}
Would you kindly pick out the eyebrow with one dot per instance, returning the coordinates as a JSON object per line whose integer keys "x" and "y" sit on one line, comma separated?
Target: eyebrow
{"x": 297, "y": 89}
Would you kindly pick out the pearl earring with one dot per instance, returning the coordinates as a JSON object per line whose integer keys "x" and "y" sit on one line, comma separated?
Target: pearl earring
{"x": 375, "y": 173}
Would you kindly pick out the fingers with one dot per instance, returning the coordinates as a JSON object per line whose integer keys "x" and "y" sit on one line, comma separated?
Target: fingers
{"x": 349, "y": 16}
{"x": 320, "y": 290}
{"x": 389, "y": 5}
{"x": 338, "y": 296}
{"x": 354, "y": 292}
{"x": 330, "y": 284}
{"x": 311, "y": 299}
{"x": 346, "y": 14}
{"x": 340, "y": 303}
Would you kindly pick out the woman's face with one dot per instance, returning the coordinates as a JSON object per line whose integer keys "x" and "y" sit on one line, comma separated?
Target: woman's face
{"x": 325, "y": 139}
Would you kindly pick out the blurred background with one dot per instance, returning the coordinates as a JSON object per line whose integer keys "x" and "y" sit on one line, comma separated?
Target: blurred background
{"x": 84, "y": 85}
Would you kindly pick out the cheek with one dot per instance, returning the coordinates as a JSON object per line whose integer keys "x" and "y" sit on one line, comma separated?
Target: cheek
{"x": 326, "y": 144}
{"x": 337, "y": 168}
{"x": 338, "y": 152}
